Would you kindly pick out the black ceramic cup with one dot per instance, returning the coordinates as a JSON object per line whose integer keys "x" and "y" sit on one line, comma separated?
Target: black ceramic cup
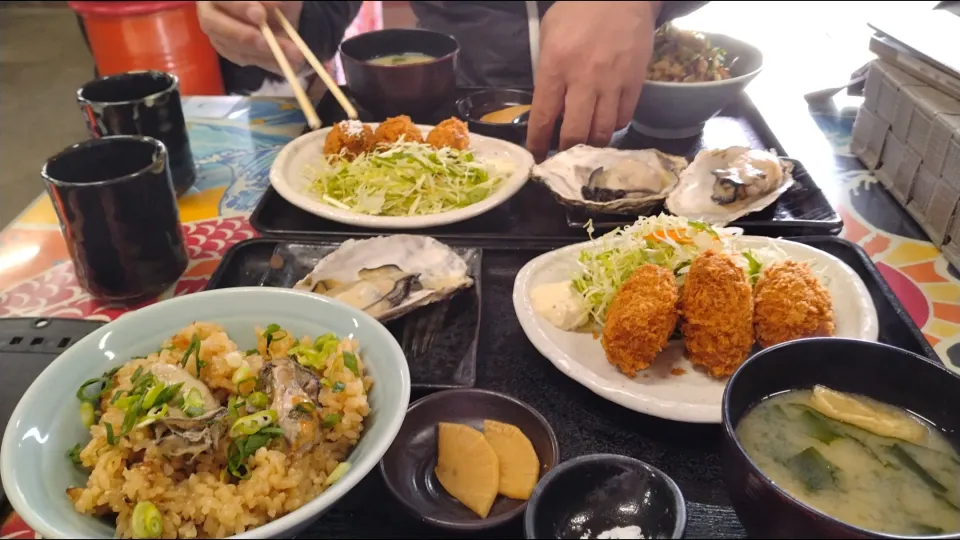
{"x": 142, "y": 103}
{"x": 118, "y": 215}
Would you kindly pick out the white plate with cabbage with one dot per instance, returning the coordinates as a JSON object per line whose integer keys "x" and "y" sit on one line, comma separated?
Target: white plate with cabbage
{"x": 410, "y": 186}
{"x": 672, "y": 387}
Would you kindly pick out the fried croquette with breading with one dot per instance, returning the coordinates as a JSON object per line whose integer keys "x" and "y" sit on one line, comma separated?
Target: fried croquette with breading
{"x": 392, "y": 129}
{"x": 791, "y": 303}
{"x": 451, "y": 133}
{"x": 640, "y": 319}
{"x": 351, "y": 137}
{"x": 716, "y": 304}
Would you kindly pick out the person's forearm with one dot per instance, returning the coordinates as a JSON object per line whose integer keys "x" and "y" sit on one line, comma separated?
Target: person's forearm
{"x": 323, "y": 24}
{"x": 673, "y": 10}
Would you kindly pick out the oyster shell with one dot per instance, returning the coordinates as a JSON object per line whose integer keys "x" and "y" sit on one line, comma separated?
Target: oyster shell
{"x": 608, "y": 180}
{"x": 389, "y": 276}
{"x": 178, "y": 435}
{"x": 721, "y": 186}
{"x": 288, "y": 385}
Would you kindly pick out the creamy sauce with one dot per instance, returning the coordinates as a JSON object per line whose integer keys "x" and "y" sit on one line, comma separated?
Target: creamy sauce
{"x": 401, "y": 59}
{"x": 505, "y": 116}
{"x": 560, "y": 305}
{"x": 878, "y": 483}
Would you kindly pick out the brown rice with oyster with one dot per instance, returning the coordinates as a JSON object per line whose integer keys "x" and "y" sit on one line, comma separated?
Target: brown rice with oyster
{"x": 181, "y": 450}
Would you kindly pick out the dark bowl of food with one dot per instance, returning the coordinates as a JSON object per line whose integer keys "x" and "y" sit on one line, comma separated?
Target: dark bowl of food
{"x": 841, "y": 438}
{"x": 692, "y": 77}
{"x": 401, "y": 71}
{"x": 500, "y": 113}
{"x": 605, "y": 496}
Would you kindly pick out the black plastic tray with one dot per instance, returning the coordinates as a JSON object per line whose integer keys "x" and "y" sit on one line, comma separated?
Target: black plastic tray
{"x": 534, "y": 214}
{"x": 584, "y": 423}
{"x": 27, "y": 346}
{"x": 450, "y": 360}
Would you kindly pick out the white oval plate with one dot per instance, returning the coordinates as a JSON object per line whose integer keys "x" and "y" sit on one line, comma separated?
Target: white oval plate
{"x": 694, "y": 396}
{"x": 287, "y": 177}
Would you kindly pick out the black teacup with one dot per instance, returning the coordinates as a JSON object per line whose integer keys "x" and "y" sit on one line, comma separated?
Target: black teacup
{"x": 142, "y": 103}
{"x": 119, "y": 216}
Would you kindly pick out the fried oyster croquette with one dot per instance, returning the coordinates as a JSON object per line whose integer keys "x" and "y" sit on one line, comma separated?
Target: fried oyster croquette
{"x": 349, "y": 139}
{"x": 716, "y": 304}
{"x": 394, "y": 129}
{"x": 791, "y": 303}
{"x": 451, "y": 133}
{"x": 640, "y": 319}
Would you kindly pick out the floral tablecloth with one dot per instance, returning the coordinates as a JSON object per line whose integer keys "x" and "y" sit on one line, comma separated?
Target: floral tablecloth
{"x": 235, "y": 140}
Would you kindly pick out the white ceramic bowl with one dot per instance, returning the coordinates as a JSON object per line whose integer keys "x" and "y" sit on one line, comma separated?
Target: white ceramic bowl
{"x": 287, "y": 177}
{"x": 45, "y": 424}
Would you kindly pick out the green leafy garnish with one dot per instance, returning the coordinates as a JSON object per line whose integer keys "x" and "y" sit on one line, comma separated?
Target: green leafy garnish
{"x": 331, "y": 420}
{"x": 74, "y": 454}
{"x": 193, "y": 403}
{"x": 242, "y": 448}
{"x": 338, "y": 387}
{"x": 111, "y": 440}
{"x": 755, "y": 267}
{"x": 306, "y": 407}
{"x": 252, "y": 352}
{"x": 350, "y": 362}
{"x": 194, "y": 347}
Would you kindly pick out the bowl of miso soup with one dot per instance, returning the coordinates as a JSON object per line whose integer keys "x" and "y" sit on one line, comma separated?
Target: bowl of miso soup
{"x": 841, "y": 438}
{"x": 401, "y": 71}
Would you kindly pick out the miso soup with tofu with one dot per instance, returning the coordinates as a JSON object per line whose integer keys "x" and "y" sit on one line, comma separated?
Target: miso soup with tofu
{"x": 861, "y": 461}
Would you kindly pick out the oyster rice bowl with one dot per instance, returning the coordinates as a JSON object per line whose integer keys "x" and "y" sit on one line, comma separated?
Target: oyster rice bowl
{"x": 242, "y": 412}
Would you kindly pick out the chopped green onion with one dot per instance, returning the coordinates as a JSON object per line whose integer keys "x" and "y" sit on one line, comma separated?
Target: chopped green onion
{"x": 131, "y": 416}
{"x": 350, "y": 362}
{"x": 257, "y": 400}
{"x": 87, "y": 415}
{"x": 147, "y": 521}
{"x": 331, "y": 420}
{"x": 305, "y": 407}
{"x": 339, "y": 387}
{"x": 340, "y": 470}
{"x": 74, "y": 454}
{"x": 136, "y": 375}
{"x": 167, "y": 394}
{"x": 268, "y": 333}
{"x": 153, "y": 415}
{"x": 194, "y": 346}
{"x": 82, "y": 394}
{"x": 152, "y": 395}
{"x": 111, "y": 440}
{"x": 193, "y": 403}
{"x": 323, "y": 340}
{"x": 125, "y": 403}
{"x": 242, "y": 374}
{"x": 252, "y": 352}
{"x": 252, "y": 423}
{"x": 200, "y": 364}
{"x": 325, "y": 382}
{"x": 309, "y": 358}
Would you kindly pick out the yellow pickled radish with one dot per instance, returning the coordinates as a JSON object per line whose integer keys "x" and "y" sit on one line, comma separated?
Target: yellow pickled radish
{"x": 467, "y": 467}
{"x": 519, "y": 464}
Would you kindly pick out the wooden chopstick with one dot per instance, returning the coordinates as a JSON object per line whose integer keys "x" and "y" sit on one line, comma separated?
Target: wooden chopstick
{"x": 317, "y": 66}
{"x": 312, "y": 119}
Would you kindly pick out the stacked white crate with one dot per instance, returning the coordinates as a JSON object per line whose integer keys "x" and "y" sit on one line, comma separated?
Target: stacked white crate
{"x": 909, "y": 132}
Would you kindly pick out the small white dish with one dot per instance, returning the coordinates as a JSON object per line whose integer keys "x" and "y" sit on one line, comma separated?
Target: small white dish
{"x": 693, "y": 396}
{"x": 288, "y": 178}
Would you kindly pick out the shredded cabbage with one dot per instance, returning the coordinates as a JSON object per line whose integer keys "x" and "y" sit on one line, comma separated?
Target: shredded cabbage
{"x": 668, "y": 241}
{"x": 407, "y": 179}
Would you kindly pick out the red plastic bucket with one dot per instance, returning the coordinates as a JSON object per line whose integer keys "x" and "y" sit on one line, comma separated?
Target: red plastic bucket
{"x": 165, "y": 36}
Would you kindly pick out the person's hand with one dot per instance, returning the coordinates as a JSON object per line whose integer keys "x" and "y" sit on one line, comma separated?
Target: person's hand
{"x": 234, "y": 31}
{"x": 593, "y": 62}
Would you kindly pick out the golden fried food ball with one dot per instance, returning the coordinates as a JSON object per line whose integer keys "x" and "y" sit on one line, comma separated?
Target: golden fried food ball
{"x": 392, "y": 129}
{"x": 791, "y": 303}
{"x": 640, "y": 319}
{"x": 451, "y": 133}
{"x": 716, "y": 304}
{"x": 351, "y": 137}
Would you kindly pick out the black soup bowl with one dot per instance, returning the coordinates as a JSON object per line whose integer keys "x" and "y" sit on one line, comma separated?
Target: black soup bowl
{"x": 416, "y": 89}
{"x": 882, "y": 372}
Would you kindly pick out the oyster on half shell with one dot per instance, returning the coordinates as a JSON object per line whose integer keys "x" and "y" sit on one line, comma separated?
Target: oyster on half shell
{"x": 721, "y": 186}
{"x": 389, "y": 276}
{"x": 609, "y": 180}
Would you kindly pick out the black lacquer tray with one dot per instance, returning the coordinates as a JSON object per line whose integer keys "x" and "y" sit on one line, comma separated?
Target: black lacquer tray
{"x": 533, "y": 213}
{"x": 585, "y": 423}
